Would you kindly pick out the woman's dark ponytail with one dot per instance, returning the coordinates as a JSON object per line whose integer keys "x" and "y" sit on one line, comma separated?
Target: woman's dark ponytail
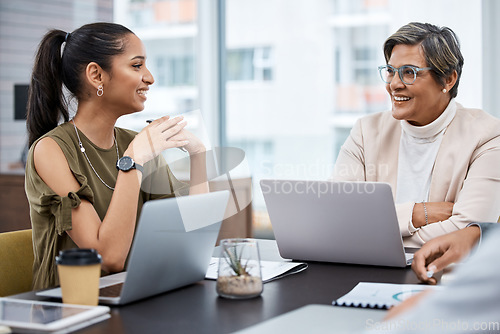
{"x": 46, "y": 103}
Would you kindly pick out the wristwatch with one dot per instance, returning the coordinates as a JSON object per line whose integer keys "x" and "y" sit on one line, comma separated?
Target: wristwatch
{"x": 126, "y": 163}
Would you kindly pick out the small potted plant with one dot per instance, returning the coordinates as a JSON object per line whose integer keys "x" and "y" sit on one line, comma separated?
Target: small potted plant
{"x": 239, "y": 273}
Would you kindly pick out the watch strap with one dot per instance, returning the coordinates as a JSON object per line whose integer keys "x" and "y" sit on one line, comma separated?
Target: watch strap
{"x": 140, "y": 168}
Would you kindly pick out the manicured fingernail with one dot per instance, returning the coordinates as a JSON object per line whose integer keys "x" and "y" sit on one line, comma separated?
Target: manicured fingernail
{"x": 431, "y": 270}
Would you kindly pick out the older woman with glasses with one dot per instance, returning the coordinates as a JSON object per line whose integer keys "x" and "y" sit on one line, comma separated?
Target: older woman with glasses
{"x": 441, "y": 159}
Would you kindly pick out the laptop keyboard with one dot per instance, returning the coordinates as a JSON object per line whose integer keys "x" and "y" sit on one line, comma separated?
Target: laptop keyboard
{"x": 111, "y": 291}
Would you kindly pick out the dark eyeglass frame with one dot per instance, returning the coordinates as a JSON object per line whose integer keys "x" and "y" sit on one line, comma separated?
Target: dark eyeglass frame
{"x": 400, "y": 70}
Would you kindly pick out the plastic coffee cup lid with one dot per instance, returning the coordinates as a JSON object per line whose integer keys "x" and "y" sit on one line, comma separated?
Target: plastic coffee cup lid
{"x": 78, "y": 257}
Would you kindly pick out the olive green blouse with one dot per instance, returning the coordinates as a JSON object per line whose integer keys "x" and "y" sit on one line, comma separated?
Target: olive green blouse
{"x": 51, "y": 213}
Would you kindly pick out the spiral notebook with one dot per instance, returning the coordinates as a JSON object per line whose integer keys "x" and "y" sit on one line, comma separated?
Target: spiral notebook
{"x": 380, "y": 295}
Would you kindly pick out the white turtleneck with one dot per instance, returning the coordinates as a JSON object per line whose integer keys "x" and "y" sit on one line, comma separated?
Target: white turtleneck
{"x": 418, "y": 149}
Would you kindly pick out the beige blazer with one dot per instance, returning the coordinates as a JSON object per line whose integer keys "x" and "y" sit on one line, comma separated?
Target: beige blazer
{"x": 466, "y": 171}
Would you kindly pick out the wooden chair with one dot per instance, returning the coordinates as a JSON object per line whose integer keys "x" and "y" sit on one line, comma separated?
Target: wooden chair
{"x": 16, "y": 262}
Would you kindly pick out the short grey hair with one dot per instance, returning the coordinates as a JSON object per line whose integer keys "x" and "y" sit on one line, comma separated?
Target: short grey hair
{"x": 440, "y": 45}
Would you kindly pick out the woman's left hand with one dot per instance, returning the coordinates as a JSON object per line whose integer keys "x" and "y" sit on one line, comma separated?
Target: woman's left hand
{"x": 195, "y": 145}
{"x": 436, "y": 212}
{"x": 197, "y": 156}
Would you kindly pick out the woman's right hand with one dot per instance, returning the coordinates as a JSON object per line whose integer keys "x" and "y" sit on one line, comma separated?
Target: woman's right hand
{"x": 155, "y": 138}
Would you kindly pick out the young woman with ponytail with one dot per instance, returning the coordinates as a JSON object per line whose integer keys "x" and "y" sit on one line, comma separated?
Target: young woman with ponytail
{"x": 86, "y": 180}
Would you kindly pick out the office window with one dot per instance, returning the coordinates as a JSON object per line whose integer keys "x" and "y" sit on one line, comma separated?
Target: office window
{"x": 350, "y": 7}
{"x": 365, "y": 59}
{"x": 175, "y": 71}
{"x": 148, "y": 13}
{"x": 250, "y": 64}
{"x": 281, "y": 116}
{"x": 240, "y": 65}
{"x": 263, "y": 64}
{"x": 358, "y": 52}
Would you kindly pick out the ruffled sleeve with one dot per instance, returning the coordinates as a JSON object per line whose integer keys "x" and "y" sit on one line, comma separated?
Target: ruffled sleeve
{"x": 60, "y": 207}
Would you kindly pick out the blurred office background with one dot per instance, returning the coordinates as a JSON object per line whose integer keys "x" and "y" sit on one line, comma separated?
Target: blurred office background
{"x": 282, "y": 80}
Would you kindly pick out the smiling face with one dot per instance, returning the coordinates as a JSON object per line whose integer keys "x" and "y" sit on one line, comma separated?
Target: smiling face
{"x": 129, "y": 79}
{"x": 424, "y": 100}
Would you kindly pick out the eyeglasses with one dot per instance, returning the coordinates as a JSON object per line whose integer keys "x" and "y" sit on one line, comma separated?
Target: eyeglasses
{"x": 407, "y": 73}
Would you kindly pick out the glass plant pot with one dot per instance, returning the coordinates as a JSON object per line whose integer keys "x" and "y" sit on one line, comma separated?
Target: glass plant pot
{"x": 239, "y": 275}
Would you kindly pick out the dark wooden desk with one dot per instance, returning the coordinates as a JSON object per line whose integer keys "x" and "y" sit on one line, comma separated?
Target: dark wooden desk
{"x": 198, "y": 309}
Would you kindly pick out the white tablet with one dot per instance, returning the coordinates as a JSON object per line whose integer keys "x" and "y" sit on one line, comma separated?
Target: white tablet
{"x": 30, "y": 316}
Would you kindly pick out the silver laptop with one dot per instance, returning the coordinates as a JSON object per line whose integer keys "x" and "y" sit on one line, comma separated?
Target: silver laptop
{"x": 172, "y": 247}
{"x": 346, "y": 222}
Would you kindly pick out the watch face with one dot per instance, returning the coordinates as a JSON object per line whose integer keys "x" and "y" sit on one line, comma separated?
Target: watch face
{"x": 125, "y": 163}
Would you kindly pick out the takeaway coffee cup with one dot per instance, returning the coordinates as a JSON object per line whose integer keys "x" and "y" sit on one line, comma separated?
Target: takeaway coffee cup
{"x": 79, "y": 272}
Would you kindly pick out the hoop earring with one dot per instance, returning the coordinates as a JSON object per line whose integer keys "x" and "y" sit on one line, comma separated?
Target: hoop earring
{"x": 100, "y": 90}
{"x": 444, "y": 90}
